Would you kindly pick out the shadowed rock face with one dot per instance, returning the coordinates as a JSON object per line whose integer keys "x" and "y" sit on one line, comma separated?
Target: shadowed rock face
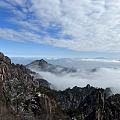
{"x": 25, "y": 97}
{"x": 89, "y": 103}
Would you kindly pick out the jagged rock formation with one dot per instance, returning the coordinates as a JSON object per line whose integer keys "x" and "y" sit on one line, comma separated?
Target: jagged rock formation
{"x": 112, "y": 108}
{"x": 5, "y": 109}
{"x": 89, "y": 103}
{"x": 23, "y": 96}
{"x": 18, "y": 92}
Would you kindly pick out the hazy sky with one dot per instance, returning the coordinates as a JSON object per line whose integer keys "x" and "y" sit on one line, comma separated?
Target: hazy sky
{"x": 60, "y": 28}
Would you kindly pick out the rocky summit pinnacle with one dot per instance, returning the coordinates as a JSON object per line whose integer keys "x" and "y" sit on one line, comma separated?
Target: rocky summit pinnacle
{"x": 23, "y": 97}
{"x": 41, "y": 63}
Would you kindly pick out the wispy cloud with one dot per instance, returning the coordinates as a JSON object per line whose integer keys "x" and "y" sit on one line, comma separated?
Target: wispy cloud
{"x": 91, "y": 25}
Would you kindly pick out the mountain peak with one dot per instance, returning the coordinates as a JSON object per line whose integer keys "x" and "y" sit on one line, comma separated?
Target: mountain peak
{"x": 41, "y": 63}
{"x": 4, "y": 59}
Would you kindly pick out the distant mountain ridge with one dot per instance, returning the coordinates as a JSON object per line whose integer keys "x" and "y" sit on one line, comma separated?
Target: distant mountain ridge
{"x": 42, "y": 65}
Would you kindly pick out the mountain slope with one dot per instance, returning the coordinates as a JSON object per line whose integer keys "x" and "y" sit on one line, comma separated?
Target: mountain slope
{"x": 20, "y": 88}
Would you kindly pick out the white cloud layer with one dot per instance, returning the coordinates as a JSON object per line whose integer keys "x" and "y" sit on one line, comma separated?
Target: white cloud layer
{"x": 102, "y": 78}
{"x": 94, "y": 25}
{"x": 100, "y": 73}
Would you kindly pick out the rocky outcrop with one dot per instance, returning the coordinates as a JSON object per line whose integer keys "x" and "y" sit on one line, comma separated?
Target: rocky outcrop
{"x": 20, "y": 94}
{"x": 1, "y": 55}
{"x": 5, "y": 110}
{"x": 89, "y": 103}
{"x": 4, "y": 59}
{"x": 42, "y": 82}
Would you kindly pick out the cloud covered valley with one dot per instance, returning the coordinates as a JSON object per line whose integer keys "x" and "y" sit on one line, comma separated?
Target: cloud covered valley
{"x": 103, "y": 74}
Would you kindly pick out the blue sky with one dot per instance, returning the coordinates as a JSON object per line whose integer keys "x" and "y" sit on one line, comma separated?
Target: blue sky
{"x": 47, "y": 28}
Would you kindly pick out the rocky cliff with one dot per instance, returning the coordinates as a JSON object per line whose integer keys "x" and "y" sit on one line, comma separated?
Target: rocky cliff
{"x": 20, "y": 94}
{"x": 86, "y": 103}
{"x": 26, "y": 96}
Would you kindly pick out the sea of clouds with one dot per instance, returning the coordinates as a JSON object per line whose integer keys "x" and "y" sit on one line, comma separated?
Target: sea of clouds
{"x": 103, "y": 74}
